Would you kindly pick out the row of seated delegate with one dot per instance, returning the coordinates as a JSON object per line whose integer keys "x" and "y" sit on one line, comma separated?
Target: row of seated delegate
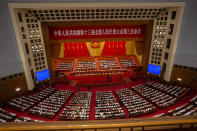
{"x": 108, "y": 63}
{"x": 26, "y": 119}
{"x": 92, "y": 64}
{"x": 159, "y": 115}
{"x": 6, "y": 116}
{"x": 194, "y": 100}
{"x": 107, "y": 106}
{"x": 25, "y": 102}
{"x": 86, "y": 65}
{"x": 136, "y": 105}
{"x": 127, "y": 63}
{"x": 51, "y": 105}
{"x": 65, "y": 66}
{"x": 138, "y": 100}
{"x": 78, "y": 108}
{"x": 157, "y": 97}
{"x": 99, "y": 70}
{"x": 176, "y": 91}
{"x": 100, "y": 73}
{"x": 187, "y": 109}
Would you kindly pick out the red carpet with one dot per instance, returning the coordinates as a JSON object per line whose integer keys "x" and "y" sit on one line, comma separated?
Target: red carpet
{"x": 93, "y": 104}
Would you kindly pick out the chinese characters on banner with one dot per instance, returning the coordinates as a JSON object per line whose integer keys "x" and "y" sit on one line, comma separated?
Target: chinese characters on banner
{"x": 86, "y": 32}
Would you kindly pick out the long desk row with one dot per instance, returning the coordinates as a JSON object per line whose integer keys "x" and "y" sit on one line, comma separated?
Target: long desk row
{"x": 51, "y": 105}
{"x": 6, "y": 116}
{"x": 174, "y": 90}
{"x": 107, "y": 106}
{"x": 157, "y": 97}
{"x": 78, "y": 108}
{"x": 23, "y": 103}
{"x": 184, "y": 110}
{"x": 99, "y": 72}
{"x": 89, "y": 64}
{"x": 135, "y": 104}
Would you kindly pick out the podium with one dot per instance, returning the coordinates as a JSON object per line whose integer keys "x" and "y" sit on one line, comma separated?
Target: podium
{"x": 73, "y": 83}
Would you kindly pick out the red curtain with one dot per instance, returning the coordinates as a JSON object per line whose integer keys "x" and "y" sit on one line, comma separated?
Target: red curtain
{"x": 104, "y": 49}
{"x": 123, "y": 48}
{"x": 114, "y": 48}
{"x": 85, "y": 49}
{"x": 65, "y": 49}
{"x": 120, "y": 47}
{"x": 71, "y": 49}
{"x": 111, "y": 48}
{"x": 75, "y": 50}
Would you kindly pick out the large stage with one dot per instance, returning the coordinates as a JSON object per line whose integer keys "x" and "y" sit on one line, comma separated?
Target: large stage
{"x": 96, "y": 70}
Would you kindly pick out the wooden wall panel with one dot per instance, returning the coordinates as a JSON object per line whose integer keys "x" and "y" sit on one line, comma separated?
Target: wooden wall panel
{"x": 9, "y": 85}
{"x": 147, "y": 45}
{"x": 48, "y": 49}
{"x": 55, "y": 50}
{"x": 193, "y": 84}
{"x": 185, "y": 74}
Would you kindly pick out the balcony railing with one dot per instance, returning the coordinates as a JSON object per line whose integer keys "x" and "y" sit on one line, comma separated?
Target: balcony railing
{"x": 120, "y": 124}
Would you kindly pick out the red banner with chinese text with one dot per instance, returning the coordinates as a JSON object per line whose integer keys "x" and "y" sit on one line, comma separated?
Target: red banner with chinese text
{"x": 86, "y": 32}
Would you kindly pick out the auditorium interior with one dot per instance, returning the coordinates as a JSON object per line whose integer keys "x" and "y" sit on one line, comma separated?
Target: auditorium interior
{"x": 101, "y": 65}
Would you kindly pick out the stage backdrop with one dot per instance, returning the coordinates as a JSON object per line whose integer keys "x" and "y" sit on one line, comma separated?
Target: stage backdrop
{"x": 109, "y": 48}
{"x": 105, "y": 48}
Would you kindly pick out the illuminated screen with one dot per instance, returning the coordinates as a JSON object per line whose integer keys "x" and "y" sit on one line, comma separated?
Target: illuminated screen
{"x": 155, "y": 69}
{"x": 42, "y": 75}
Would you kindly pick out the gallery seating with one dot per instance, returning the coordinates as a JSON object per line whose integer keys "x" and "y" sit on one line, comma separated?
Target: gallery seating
{"x": 194, "y": 100}
{"x": 78, "y": 108}
{"x": 159, "y": 115}
{"x": 6, "y": 116}
{"x": 157, "y": 97}
{"x": 174, "y": 90}
{"x": 26, "y": 119}
{"x": 134, "y": 99}
{"x": 187, "y": 109}
{"x": 51, "y": 105}
{"x": 135, "y": 104}
{"x": 107, "y": 106}
{"x": 25, "y": 102}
